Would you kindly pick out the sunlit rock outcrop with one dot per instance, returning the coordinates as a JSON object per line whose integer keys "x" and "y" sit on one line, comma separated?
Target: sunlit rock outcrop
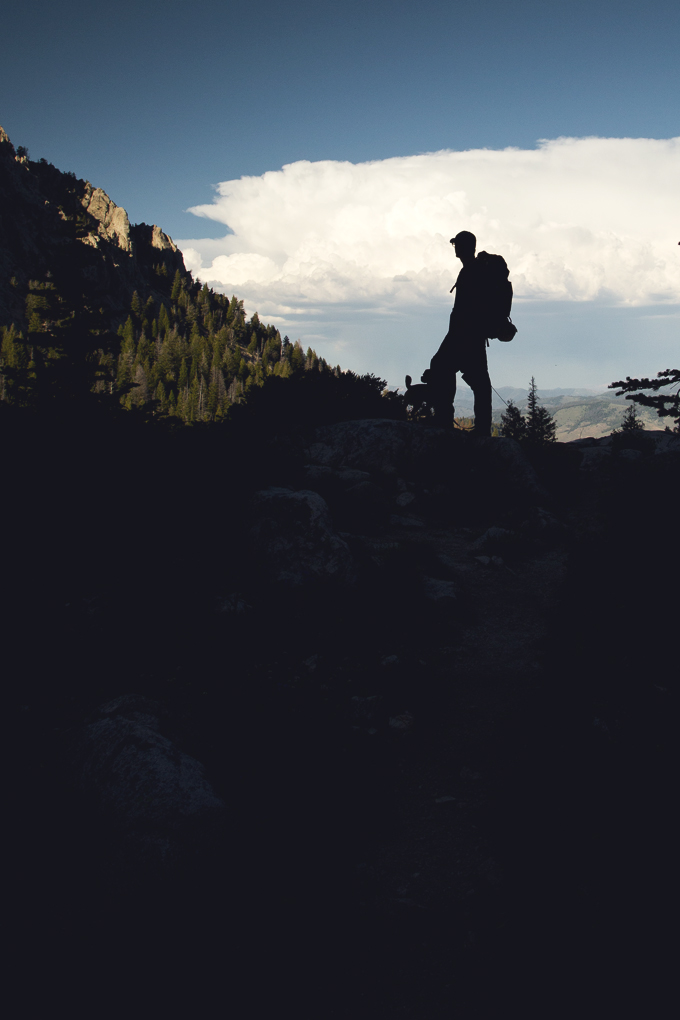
{"x": 55, "y": 226}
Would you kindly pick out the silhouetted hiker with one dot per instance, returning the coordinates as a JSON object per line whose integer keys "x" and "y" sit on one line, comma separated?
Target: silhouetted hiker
{"x": 464, "y": 346}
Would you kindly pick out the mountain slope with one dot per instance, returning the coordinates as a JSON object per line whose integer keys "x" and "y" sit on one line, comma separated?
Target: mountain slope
{"x": 91, "y": 303}
{"x": 54, "y": 225}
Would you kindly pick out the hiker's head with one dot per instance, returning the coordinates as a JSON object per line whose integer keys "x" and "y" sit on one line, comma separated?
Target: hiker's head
{"x": 464, "y": 244}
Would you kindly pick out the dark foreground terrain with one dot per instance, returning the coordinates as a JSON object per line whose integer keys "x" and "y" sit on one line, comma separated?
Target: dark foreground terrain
{"x": 437, "y": 757}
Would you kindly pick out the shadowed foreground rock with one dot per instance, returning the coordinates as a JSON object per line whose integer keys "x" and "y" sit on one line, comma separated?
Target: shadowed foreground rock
{"x": 295, "y": 540}
{"x": 596, "y": 453}
{"x": 153, "y": 802}
{"x": 391, "y": 448}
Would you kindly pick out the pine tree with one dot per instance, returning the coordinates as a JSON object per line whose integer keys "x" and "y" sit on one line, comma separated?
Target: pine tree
{"x": 631, "y": 420}
{"x": 513, "y": 423}
{"x": 211, "y": 403}
{"x": 159, "y": 395}
{"x": 541, "y": 427}
{"x": 163, "y": 320}
{"x": 191, "y": 408}
{"x": 140, "y": 394}
{"x": 297, "y": 357}
{"x": 128, "y": 335}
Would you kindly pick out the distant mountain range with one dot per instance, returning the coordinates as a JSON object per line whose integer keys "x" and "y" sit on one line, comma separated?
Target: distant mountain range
{"x": 520, "y": 395}
{"x": 579, "y": 413}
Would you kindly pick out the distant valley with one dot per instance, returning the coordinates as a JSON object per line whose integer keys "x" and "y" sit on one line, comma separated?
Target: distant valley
{"x": 579, "y": 414}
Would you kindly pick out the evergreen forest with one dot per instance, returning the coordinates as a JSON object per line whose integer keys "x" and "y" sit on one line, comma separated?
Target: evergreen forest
{"x": 190, "y": 357}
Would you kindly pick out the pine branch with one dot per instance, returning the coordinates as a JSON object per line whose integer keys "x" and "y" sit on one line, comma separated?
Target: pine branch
{"x": 666, "y": 405}
{"x": 665, "y": 378}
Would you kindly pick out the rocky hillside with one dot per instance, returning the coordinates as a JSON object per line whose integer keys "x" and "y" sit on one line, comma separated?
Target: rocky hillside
{"x": 388, "y": 722}
{"x": 53, "y": 224}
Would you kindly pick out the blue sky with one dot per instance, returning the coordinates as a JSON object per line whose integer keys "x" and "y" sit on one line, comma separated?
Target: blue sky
{"x": 160, "y": 102}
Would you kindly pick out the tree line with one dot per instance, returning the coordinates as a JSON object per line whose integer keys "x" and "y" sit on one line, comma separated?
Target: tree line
{"x": 190, "y": 357}
{"x": 193, "y": 354}
{"x": 538, "y": 426}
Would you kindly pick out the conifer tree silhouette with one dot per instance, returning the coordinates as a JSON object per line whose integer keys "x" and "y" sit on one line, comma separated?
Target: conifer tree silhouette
{"x": 541, "y": 427}
{"x": 513, "y": 422}
{"x": 631, "y": 420}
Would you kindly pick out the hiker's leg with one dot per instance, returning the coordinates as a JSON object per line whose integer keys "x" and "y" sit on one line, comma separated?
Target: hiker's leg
{"x": 442, "y": 383}
{"x": 476, "y": 375}
{"x": 442, "y": 401}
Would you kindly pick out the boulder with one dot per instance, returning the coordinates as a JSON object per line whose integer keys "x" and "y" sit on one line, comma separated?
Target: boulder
{"x": 330, "y": 482}
{"x": 356, "y": 502}
{"x": 294, "y": 539}
{"x": 626, "y": 445}
{"x": 405, "y": 498}
{"x": 381, "y": 446}
{"x": 594, "y": 456}
{"x": 506, "y": 458}
{"x": 666, "y": 442}
{"x": 152, "y": 801}
{"x": 542, "y": 528}
{"x": 395, "y": 449}
{"x": 373, "y": 444}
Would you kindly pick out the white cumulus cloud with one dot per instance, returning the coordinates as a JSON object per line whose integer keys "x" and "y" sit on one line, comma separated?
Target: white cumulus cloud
{"x": 576, "y": 220}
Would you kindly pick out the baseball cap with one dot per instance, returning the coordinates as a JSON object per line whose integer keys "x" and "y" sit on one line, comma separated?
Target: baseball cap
{"x": 464, "y": 237}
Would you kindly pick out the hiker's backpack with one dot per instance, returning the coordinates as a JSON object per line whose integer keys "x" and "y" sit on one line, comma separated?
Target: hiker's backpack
{"x": 494, "y": 272}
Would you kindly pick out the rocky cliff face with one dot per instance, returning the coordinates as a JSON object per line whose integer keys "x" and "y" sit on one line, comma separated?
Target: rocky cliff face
{"x": 53, "y": 223}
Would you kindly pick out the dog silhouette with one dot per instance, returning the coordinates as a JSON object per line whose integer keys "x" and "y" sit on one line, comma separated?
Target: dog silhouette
{"x": 419, "y": 397}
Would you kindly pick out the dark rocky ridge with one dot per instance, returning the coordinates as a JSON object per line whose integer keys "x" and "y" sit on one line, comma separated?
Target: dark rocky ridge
{"x": 429, "y": 731}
